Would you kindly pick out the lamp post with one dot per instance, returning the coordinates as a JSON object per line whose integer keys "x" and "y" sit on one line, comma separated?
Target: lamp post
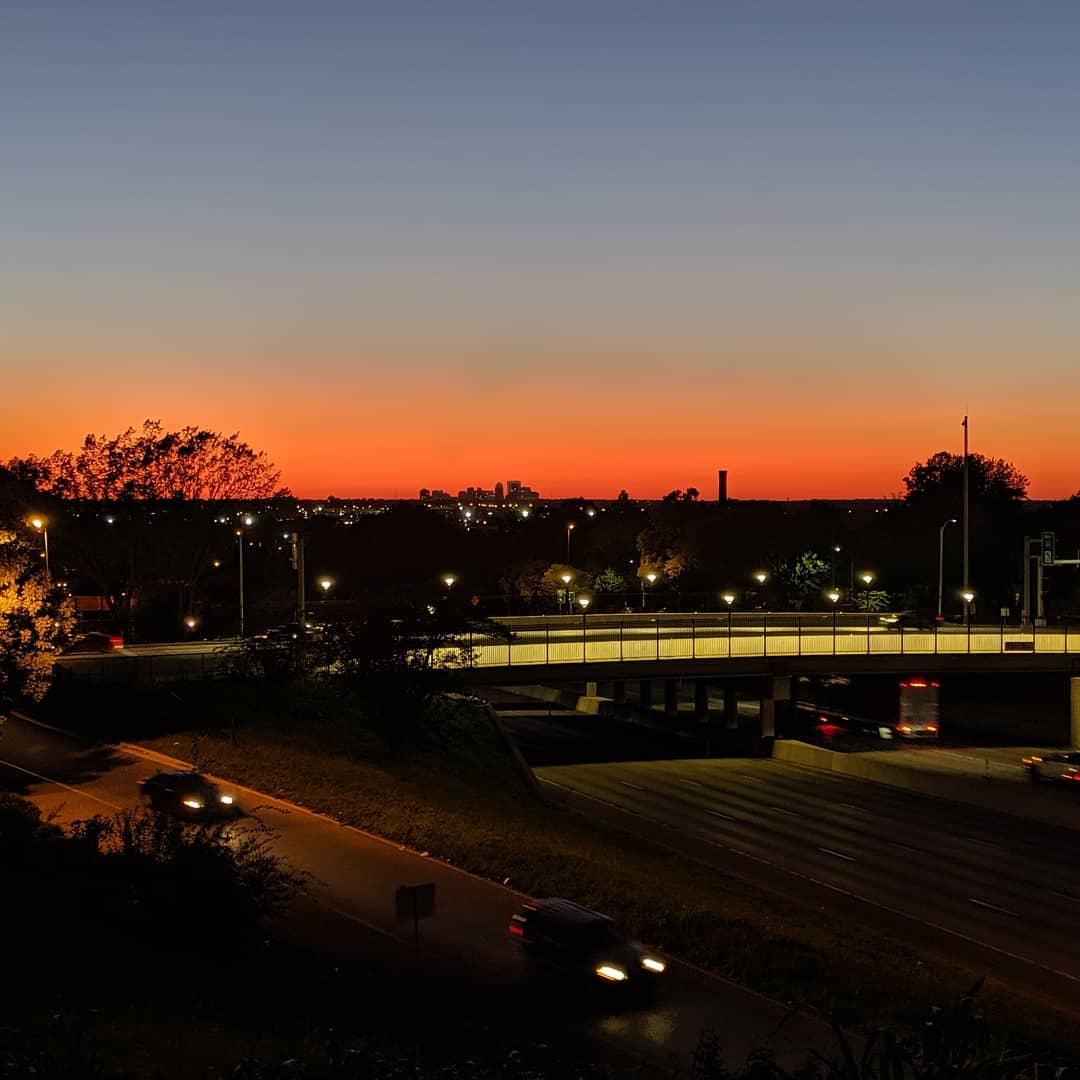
{"x": 449, "y": 580}
{"x": 246, "y": 520}
{"x": 569, "y": 530}
{"x": 968, "y": 596}
{"x": 834, "y": 596}
{"x": 566, "y": 579}
{"x": 650, "y": 577}
{"x": 761, "y": 577}
{"x": 941, "y": 562}
{"x": 835, "y": 552}
{"x": 729, "y": 599}
{"x": 326, "y": 584}
{"x": 866, "y": 578}
{"x": 584, "y": 601}
{"x": 39, "y": 524}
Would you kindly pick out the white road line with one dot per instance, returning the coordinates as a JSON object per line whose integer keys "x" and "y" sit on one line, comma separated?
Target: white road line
{"x": 687, "y": 780}
{"x": 830, "y": 886}
{"x": 829, "y": 851}
{"x": 992, "y": 907}
{"x": 717, "y": 813}
{"x": 626, "y": 783}
{"x": 852, "y": 806}
{"x": 67, "y": 787}
{"x": 752, "y": 779}
{"x": 781, "y": 810}
{"x": 1063, "y": 895}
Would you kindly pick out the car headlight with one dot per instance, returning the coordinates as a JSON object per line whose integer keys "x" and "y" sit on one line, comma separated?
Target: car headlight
{"x": 611, "y": 973}
{"x": 650, "y": 963}
{"x": 195, "y": 804}
{"x": 227, "y": 800}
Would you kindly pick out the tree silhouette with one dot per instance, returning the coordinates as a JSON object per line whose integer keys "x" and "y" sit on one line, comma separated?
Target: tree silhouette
{"x": 942, "y": 475}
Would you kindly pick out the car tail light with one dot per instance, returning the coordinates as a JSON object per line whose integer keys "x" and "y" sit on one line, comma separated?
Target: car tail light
{"x": 516, "y": 930}
{"x": 903, "y": 727}
{"x": 931, "y": 727}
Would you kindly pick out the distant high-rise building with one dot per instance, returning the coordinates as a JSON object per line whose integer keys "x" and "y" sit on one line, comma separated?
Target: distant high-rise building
{"x": 498, "y": 491}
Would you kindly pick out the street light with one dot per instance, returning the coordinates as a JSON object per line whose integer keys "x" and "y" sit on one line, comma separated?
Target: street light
{"x": 247, "y": 520}
{"x": 650, "y": 577}
{"x": 761, "y": 577}
{"x": 39, "y": 524}
{"x": 729, "y": 599}
{"x": 569, "y": 530}
{"x": 968, "y": 596}
{"x": 834, "y": 596}
{"x": 866, "y": 578}
{"x": 584, "y": 601}
{"x": 941, "y": 562}
{"x": 835, "y": 552}
{"x": 326, "y": 584}
{"x": 566, "y": 579}
{"x": 449, "y": 581}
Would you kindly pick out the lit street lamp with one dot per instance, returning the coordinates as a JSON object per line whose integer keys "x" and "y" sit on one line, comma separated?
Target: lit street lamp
{"x": 569, "y": 530}
{"x": 761, "y": 577}
{"x": 729, "y": 599}
{"x": 39, "y": 524}
{"x": 835, "y": 552}
{"x": 566, "y": 579}
{"x": 449, "y": 581}
{"x": 326, "y": 584}
{"x": 246, "y": 520}
{"x": 834, "y": 596}
{"x": 866, "y": 578}
{"x": 968, "y": 596}
{"x": 650, "y": 577}
{"x": 941, "y": 562}
{"x": 584, "y": 601}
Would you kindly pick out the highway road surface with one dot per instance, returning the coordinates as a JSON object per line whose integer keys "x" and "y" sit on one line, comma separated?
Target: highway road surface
{"x": 465, "y": 949}
{"x": 995, "y": 891}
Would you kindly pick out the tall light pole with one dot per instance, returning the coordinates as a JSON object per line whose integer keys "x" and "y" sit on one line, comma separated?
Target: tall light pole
{"x": 835, "y": 552}
{"x": 834, "y": 596}
{"x": 39, "y": 524}
{"x": 449, "y": 581}
{"x": 569, "y": 530}
{"x": 245, "y": 521}
{"x": 760, "y": 577}
{"x": 650, "y": 577}
{"x": 967, "y": 520}
{"x": 941, "y": 562}
{"x": 566, "y": 579}
{"x": 584, "y": 601}
{"x": 729, "y": 599}
{"x": 326, "y": 584}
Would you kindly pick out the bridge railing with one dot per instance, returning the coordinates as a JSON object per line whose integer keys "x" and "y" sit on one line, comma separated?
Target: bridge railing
{"x": 574, "y": 639}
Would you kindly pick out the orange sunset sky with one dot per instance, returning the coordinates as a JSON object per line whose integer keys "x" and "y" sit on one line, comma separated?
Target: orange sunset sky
{"x": 590, "y": 247}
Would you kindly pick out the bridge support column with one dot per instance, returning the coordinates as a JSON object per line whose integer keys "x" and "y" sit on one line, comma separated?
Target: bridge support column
{"x": 592, "y": 689}
{"x": 731, "y": 708}
{"x": 1074, "y": 711}
{"x": 671, "y": 697}
{"x": 618, "y": 691}
{"x": 645, "y": 693}
{"x": 701, "y": 699}
{"x": 776, "y": 688}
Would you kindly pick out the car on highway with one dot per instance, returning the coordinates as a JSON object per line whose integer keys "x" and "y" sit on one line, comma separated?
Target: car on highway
{"x": 94, "y": 642}
{"x": 1063, "y": 765}
{"x": 584, "y": 944}
{"x": 188, "y": 795}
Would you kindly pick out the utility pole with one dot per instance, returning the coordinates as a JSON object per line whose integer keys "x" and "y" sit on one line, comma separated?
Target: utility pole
{"x": 967, "y": 581}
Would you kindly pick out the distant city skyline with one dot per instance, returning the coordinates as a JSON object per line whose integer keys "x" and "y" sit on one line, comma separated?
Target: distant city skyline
{"x": 610, "y": 245}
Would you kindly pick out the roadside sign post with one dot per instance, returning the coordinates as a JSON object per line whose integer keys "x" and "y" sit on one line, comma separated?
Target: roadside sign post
{"x": 413, "y": 903}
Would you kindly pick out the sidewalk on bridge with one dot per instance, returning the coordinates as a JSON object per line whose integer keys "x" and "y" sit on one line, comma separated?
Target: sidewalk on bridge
{"x": 989, "y": 777}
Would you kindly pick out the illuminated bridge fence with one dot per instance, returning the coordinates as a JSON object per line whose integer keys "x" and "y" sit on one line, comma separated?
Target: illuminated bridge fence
{"x": 603, "y": 638}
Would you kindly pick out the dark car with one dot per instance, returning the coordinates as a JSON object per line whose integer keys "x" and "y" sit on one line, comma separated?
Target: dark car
{"x": 1063, "y": 765}
{"x": 95, "y": 642}
{"x": 584, "y": 943}
{"x": 187, "y": 794}
{"x": 907, "y": 620}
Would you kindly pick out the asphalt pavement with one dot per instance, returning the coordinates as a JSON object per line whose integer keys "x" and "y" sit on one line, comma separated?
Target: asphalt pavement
{"x": 464, "y": 950}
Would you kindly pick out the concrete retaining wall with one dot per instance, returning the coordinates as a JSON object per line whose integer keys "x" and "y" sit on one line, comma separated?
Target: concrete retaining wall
{"x": 568, "y": 699}
{"x": 1053, "y": 806}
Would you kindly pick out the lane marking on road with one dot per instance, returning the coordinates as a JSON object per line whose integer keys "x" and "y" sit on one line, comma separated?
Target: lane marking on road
{"x": 687, "y": 780}
{"x": 67, "y": 787}
{"x": 717, "y": 813}
{"x": 1063, "y": 895}
{"x": 356, "y": 919}
{"x": 839, "y": 855}
{"x": 852, "y": 806}
{"x": 992, "y": 907}
{"x": 831, "y": 887}
{"x": 626, "y": 783}
{"x": 781, "y": 810}
{"x": 905, "y": 847}
{"x": 752, "y": 779}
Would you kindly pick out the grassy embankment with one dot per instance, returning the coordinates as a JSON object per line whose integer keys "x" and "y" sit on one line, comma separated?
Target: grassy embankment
{"x": 452, "y": 791}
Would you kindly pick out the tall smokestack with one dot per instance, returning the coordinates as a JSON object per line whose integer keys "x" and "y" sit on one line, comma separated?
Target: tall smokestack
{"x": 721, "y": 486}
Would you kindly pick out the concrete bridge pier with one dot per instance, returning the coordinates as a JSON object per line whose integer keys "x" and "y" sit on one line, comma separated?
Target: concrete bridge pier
{"x": 671, "y": 697}
{"x": 645, "y": 693}
{"x": 701, "y": 699}
{"x": 775, "y": 688}
{"x": 731, "y": 708}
